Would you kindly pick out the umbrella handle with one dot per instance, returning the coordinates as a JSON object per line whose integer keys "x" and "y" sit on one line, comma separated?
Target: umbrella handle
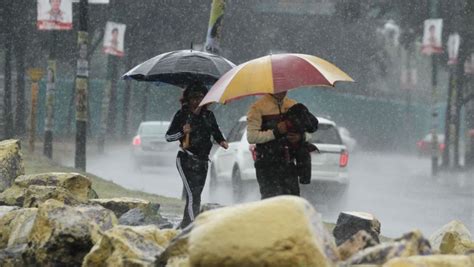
{"x": 186, "y": 142}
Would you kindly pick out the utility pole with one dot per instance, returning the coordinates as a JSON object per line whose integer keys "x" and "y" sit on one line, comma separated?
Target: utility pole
{"x": 126, "y": 101}
{"x": 50, "y": 90}
{"x": 434, "y": 96}
{"x": 82, "y": 77}
{"x": 7, "y": 97}
{"x": 35, "y": 76}
{"x": 107, "y": 121}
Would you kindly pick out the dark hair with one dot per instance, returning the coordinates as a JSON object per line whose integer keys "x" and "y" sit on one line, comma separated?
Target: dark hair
{"x": 195, "y": 88}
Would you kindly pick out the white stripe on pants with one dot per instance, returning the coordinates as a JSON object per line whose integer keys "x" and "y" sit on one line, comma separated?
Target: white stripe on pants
{"x": 186, "y": 186}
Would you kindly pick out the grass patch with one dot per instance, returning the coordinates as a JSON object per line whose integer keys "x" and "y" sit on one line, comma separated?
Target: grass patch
{"x": 105, "y": 189}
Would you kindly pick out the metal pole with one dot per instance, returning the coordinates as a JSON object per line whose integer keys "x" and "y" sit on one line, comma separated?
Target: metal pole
{"x": 434, "y": 113}
{"x": 434, "y": 135}
{"x": 50, "y": 90}
{"x": 126, "y": 109}
{"x": 449, "y": 126}
{"x": 82, "y": 76}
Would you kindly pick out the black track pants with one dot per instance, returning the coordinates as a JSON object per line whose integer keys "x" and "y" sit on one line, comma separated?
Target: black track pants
{"x": 193, "y": 172}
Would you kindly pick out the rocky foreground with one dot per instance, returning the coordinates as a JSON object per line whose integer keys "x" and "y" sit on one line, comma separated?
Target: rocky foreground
{"x": 56, "y": 219}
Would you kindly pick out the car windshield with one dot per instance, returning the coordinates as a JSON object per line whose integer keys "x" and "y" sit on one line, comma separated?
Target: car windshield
{"x": 326, "y": 134}
{"x": 153, "y": 129}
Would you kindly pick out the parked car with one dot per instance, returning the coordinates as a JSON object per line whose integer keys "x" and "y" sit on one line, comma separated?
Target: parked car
{"x": 423, "y": 146}
{"x": 149, "y": 146}
{"x": 329, "y": 176}
{"x": 347, "y": 139}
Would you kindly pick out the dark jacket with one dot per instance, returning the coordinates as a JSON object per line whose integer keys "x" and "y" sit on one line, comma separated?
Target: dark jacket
{"x": 203, "y": 126}
{"x": 299, "y": 120}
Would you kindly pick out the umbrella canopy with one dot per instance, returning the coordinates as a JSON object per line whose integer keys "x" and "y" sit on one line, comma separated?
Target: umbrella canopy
{"x": 181, "y": 67}
{"x": 274, "y": 74}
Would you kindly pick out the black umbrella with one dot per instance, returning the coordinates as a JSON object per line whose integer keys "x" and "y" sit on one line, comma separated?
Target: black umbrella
{"x": 181, "y": 67}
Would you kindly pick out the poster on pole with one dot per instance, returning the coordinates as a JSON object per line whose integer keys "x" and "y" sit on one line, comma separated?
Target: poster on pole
{"x": 453, "y": 48}
{"x": 114, "y": 39}
{"x": 54, "y": 15}
{"x": 432, "y": 37}
{"x": 93, "y": 1}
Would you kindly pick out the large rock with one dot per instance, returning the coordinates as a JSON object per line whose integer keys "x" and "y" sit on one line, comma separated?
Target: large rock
{"x": 21, "y": 226}
{"x": 178, "y": 262}
{"x": 137, "y": 217}
{"x": 31, "y": 190}
{"x": 78, "y": 184}
{"x": 129, "y": 246}
{"x": 279, "y": 231}
{"x": 13, "y": 196}
{"x": 356, "y": 243}
{"x": 410, "y": 244}
{"x": 432, "y": 261}
{"x": 37, "y": 194}
{"x": 15, "y": 226}
{"x": 16, "y": 256}
{"x": 34, "y": 195}
{"x": 452, "y": 238}
{"x": 177, "y": 251}
{"x": 6, "y": 209}
{"x": 6, "y": 226}
{"x": 349, "y": 223}
{"x": 11, "y": 162}
{"x": 123, "y": 204}
{"x": 62, "y": 235}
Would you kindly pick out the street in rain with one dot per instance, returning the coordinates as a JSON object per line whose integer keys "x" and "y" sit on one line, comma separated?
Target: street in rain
{"x": 236, "y": 133}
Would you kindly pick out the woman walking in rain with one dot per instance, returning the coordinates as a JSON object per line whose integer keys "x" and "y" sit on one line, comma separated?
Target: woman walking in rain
{"x": 193, "y": 127}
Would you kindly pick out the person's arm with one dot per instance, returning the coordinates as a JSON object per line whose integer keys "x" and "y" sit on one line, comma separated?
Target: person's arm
{"x": 215, "y": 131}
{"x": 254, "y": 124}
{"x": 175, "y": 131}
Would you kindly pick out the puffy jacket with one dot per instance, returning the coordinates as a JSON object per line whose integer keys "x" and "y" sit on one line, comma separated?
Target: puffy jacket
{"x": 262, "y": 120}
{"x": 203, "y": 126}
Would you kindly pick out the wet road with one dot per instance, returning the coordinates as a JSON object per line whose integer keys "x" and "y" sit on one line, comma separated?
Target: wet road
{"x": 397, "y": 189}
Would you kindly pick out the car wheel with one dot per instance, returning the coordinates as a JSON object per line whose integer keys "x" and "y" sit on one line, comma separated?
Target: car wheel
{"x": 213, "y": 183}
{"x": 237, "y": 186}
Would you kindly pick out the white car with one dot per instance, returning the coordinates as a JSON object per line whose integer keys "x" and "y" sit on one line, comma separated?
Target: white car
{"x": 149, "y": 146}
{"x": 347, "y": 139}
{"x": 329, "y": 174}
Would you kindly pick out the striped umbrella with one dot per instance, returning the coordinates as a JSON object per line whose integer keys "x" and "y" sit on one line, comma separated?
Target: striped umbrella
{"x": 274, "y": 74}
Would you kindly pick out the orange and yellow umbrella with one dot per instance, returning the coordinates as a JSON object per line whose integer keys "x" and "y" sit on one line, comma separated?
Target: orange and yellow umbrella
{"x": 274, "y": 74}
